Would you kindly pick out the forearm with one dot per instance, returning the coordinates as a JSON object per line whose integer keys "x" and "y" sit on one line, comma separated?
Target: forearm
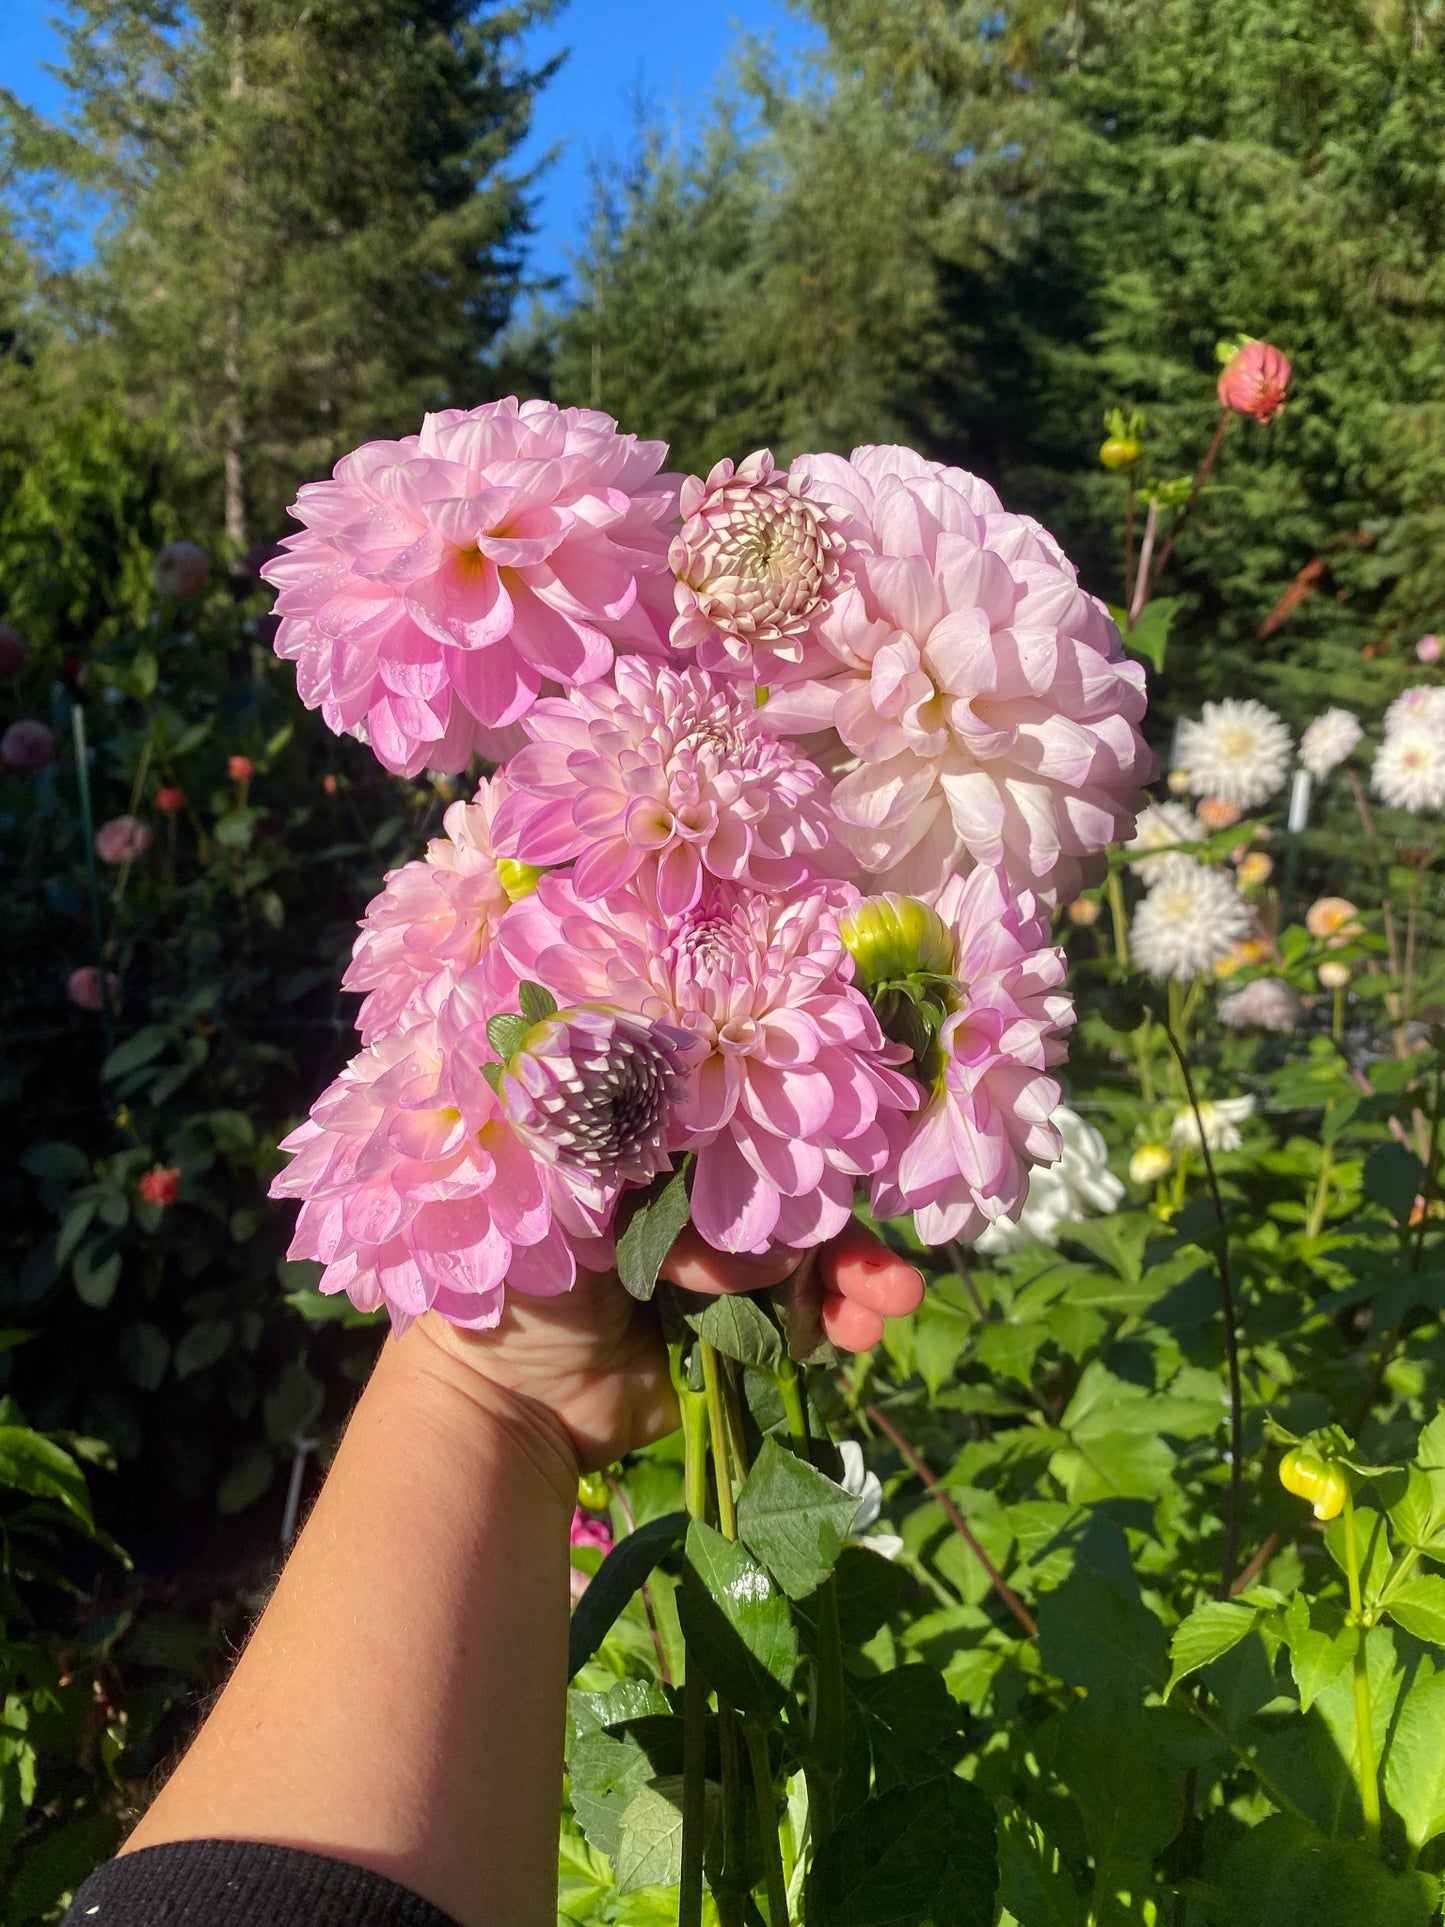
{"x": 400, "y": 1704}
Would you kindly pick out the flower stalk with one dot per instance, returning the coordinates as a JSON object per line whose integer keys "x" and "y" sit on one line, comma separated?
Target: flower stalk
{"x": 1364, "y": 1710}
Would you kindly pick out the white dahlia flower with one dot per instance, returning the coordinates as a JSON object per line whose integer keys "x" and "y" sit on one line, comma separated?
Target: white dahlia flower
{"x": 1409, "y": 770}
{"x": 867, "y": 1489}
{"x": 1424, "y": 704}
{"x": 1078, "y": 1186}
{"x": 1329, "y": 739}
{"x": 1161, "y": 828}
{"x": 1221, "y": 1120}
{"x": 1189, "y": 921}
{"x": 1238, "y": 750}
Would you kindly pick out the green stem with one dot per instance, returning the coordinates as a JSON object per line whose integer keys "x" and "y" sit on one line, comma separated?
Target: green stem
{"x": 790, "y": 1390}
{"x": 757, "y": 1741}
{"x": 1144, "y": 1053}
{"x": 1364, "y": 1712}
{"x": 827, "y": 1748}
{"x": 92, "y": 874}
{"x": 726, "y": 1892}
{"x": 1322, "y": 1194}
{"x": 694, "y": 1691}
{"x": 1120, "y": 920}
{"x": 718, "y": 1423}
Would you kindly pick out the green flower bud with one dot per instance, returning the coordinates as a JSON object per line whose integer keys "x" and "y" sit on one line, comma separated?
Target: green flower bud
{"x": 892, "y": 937}
{"x": 518, "y": 879}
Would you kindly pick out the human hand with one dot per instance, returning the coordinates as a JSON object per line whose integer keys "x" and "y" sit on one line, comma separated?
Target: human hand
{"x": 591, "y": 1362}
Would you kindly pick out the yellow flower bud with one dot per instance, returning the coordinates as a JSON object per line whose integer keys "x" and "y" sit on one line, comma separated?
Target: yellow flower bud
{"x": 1306, "y": 1474}
{"x": 1255, "y": 869}
{"x": 518, "y": 879}
{"x": 1150, "y": 1163}
{"x": 1084, "y": 911}
{"x": 890, "y": 937}
{"x": 1179, "y": 782}
{"x": 1120, "y": 451}
{"x": 1333, "y": 976}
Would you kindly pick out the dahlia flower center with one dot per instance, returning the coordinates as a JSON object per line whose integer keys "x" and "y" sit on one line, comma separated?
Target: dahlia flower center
{"x": 1237, "y": 742}
{"x": 592, "y": 1091}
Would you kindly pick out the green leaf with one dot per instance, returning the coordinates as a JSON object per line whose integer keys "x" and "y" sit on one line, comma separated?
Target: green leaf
{"x": 737, "y": 1326}
{"x": 205, "y": 1344}
{"x": 1209, "y": 1631}
{"x": 663, "y": 1211}
{"x": 1284, "y": 1874}
{"x": 1034, "y": 1884}
{"x": 793, "y": 1519}
{"x": 624, "y": 1569}
{"x": 235, "y": 828}
{"x": 95, "y": 1277}
{"x": 54, "y": 1864}
{"x": 247, "y": 1479}
{"x": 1316, "y": 1656}
{"x": 62, "y": 1163}
{"x": 141, "y": 1049}
{"x": 649, "y": 1853}
{"x": 1108, "y": 1755}
{"x": 1415, "y": 1764}
{"x": 916, "y": 1857}
{"x": 73, "y": 1228}
{"x": 1394, "y": 1177}
{"x": 140, "y": 676}
{"x": 737, "y": 1622}
{"x": 30, "y": 1463}
{"x": 1419, "y": 1511}
{"x": 143, "y": 1352}
{"x": 1091, "y": 1634}
{"x": 537, "y": 1003}
{"x": 909, "y": 1715}
{"x": 1419, "y": 1606}
{"x": 505, "y": 1033}
{"x": 293, "y": 1404}
{"x": 1149, "y": 637}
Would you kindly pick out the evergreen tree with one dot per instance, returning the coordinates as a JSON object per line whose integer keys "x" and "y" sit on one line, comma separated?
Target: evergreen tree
{"x": 311, "y": 231}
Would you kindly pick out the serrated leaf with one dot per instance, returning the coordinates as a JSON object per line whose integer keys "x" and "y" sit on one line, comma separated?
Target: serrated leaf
{"x": 738, "y": 1327}
{"x": 1394, "y": 1177}
{"x": 1285, "y": 1874}
{"x": 649, "y": 1852}
{"x": 1415, "y": 1764}
{"x": 537, "y": 1003}
{"x": 793, "y": 1519}
{"x": 1210, "y": 1631}
{"x": 736, "y": 1622}
{"x": 505, "y": 1033}
{"x": 1034, "y": 1884}
{"x": 915, "y": 1855}
{"x": 1419, "y": 1606}
{"x": 655, "y": 1222}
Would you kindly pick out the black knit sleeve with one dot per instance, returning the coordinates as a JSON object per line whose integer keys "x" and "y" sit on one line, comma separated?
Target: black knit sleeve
{"x": 243, "y": 1883}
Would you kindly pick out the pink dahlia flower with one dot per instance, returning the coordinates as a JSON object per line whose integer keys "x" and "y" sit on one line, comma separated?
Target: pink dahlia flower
{"x": 588, "y": 1530}
{"x": 14, "y": 650}
{"x": 433, "y": 918}
{"x": 440, "y": 580}
{"x": 795, "y": 1096}
{"x": 669, "y": 773}
{"x": 756, "y": 561}
{"x": 419, "y": 1193}
{"x": 985, "y": 696}
{"x": 84, "y": 988}
{"x": 1254, "y": 381}
{"x": 992, "y": 1115}
{"x": 124, "y": 839}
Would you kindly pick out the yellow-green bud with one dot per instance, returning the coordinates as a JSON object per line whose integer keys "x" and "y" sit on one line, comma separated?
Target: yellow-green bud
{"x": 891, "y": 937}
{"x": 518, "y": 879}
{"x": 1150, "y": 1163}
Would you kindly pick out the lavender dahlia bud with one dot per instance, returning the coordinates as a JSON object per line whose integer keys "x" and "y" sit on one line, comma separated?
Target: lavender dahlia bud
{"x": 591, "y": 1090}
{"x": 756, "y": 562}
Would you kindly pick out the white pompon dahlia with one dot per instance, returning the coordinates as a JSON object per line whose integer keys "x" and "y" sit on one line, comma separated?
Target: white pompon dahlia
{"x": 1190, "y": 920}
{"x": 441, "y": 580}
{"x": 1266, "y": 1004}
{"x": 434, "y": 916}
{"x": 1161, "y": 828}
{"x": 668, "y": 776}
{"x": 796, "y": 1095}
{"x": 1409, "y": 770}
{"x": 985, "y": 696}
{"x": 1422, "y": 705}
{"x": 992, "y": 1113}
{"x": 1080, "y": 1185}
{"x": 756, "y": 562}
{"x": 423, "y": 1188}
{"x": 1328, "y": 741}
{"x": 1238, "y": 751}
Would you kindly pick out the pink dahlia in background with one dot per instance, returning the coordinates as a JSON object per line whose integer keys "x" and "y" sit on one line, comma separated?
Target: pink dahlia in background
{"x": 441, "y": 580}
{"x": 124, "y": 839}
{"x": 13, "y": 650}
{"x": 985, "y": 696}
{"x": 418, "y": 1191}
{"x": 83, "y": 988}
{"x": 1254, "y": 381}
{"x": 757, "y": 560}
{"x": 669, "y": 773}
{"x": 795, "y": 1096}
{"x": 992, "y": 1115}
{"x": 27, "y": 745}
{"x": 432, "y": 917}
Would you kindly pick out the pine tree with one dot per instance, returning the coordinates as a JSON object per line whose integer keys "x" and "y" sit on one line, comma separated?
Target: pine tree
{"x": 312, "y": 233}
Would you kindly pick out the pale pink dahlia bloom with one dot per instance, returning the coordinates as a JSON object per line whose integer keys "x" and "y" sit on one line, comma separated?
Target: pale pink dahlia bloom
{"x": 795, "y": 1097}
{"x": 424, "y": 1188}
{"x": 669, "y": 773}
{"x": 124, "y": 839}
{"x": 440, "y": 580}
{"x": 757, "y": 560}
{"x": 985, "y": 696}
{"x": 434, "y": 916}
{"x": 992, "y": 1115}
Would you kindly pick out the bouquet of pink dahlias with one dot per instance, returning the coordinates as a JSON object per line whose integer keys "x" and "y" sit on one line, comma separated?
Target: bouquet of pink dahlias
{"x": 752, "y": 922}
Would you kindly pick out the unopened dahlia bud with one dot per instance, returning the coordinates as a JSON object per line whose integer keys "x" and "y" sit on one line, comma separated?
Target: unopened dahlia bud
{"x": 890, "y": 937}
{"x": 1333, "y": 975}
{"x": 518, "y": 879}
{"x": 1084, "y": 912}
{"x": 13, "y": 651}
{"x": 591, "y": 1090}
{"x": 1217, "y": 813}
{"x": 181, "y": 569}
{"x": 756, "y": 562}
{"x": 1254, "y": 381}
{"x": 1179, "y": 782}
{"x": 1255, "y": 869}
{"x": 169, "y": 799}
{"x": 161, "y": 1186}
{"x": 27, "y": 745}
{"x": 1150, "y": 1163}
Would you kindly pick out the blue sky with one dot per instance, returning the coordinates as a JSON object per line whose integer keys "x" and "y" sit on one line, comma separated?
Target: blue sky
{"x": 672, "y": 52}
